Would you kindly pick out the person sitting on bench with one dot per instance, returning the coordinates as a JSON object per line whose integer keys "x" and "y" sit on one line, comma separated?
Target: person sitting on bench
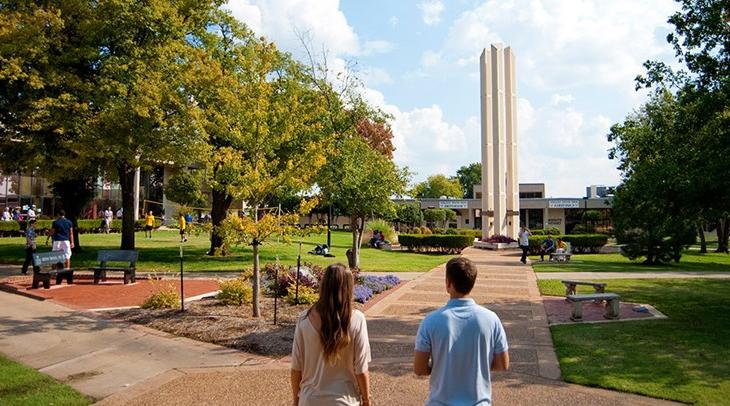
{"x": 548, "y": 246}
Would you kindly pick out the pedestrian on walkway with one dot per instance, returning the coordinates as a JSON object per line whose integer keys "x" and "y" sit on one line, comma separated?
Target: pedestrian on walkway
{"x": 182, "y": 224}
{"x": 149, "y": 224}
{"x": 30, "y": 245}
{"x": 524, "y": 241}
{"x": 108, "y": 216}
{"x": 331, "y": 351}
{"x": 62, "y": 233}
{"x": 464, "y": 343}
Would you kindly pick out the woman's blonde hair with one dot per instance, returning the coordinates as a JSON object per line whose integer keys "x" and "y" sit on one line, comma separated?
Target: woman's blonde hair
{"x": 335, "y": 308}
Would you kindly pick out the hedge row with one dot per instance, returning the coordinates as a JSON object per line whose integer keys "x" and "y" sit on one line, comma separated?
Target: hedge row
{"x": 579, "y": 243}
{"x": 458, "y": 231}
{"x": 86, "y": 226}
{"x": 447, "y": 244}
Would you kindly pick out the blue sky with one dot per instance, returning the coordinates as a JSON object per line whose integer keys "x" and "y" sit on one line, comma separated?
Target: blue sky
{"x": 576, "y": 61}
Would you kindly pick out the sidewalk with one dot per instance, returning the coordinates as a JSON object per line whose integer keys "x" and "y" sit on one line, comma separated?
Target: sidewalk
{"x": 632, "y": 275}
{"x": 140, "y": 367}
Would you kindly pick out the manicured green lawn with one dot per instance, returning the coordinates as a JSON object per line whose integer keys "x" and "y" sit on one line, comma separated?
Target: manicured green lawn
{"x": 684, "y": 358}
{"x": 161, "y": 253}
{"x": 691, "y": 261}
{"x": 24, "y": 386}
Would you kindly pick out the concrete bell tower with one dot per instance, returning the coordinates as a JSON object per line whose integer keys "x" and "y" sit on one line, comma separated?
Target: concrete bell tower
{"x": 500, "y": 189}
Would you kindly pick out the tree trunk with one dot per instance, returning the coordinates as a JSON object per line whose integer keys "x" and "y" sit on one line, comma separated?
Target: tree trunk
{"x": 126, "y": 182}
{"x": 75, "y": 194}
{"x": 256, "y": 309}
{"x": 703, "y": 242}
{"x": 221, "y": 203}
{"x": 723, "y": 228}
{"x": 353, "y": 255}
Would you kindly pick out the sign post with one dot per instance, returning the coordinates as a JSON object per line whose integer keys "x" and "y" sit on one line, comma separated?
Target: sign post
{"x": 182, "y": 284}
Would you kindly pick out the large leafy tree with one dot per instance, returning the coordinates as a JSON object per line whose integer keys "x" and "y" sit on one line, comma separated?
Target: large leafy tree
{"x": 46, "y": 86}
{"x": 263, "y": 118}
{"x": 437, "y": 186}
{"x": 362, "y": 182}
{"x": 469, "y": 176}
{"x": 701, "y": 40}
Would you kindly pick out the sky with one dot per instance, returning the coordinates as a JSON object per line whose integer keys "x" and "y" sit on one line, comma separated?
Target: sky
{"x": 419, "y": 62}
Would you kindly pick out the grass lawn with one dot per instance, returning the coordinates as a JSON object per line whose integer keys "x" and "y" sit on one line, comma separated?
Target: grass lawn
{"x": 683, "y": 358}
{"x": 691, "y": 261}
{"x": 20, "y": 385}
{"x": 161, "y": 253}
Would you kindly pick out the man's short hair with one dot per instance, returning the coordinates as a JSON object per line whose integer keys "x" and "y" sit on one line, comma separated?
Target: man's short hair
{"x": 462, "y": 273}
{"x": 62, "y": 212}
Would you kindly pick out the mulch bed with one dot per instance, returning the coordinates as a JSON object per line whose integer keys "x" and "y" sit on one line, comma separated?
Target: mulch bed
{"x": 230, "y": 326}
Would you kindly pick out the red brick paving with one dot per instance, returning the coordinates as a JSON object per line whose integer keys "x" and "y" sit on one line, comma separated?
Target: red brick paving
{"x": 84, "y": 295}
{"x": 559, "y": 311}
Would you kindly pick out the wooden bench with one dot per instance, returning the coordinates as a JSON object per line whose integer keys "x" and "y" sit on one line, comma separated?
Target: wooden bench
{"x": 117, "y": 256}
{"x": 598, "y": 287}
{"x": 612, "y": 304}
{"x": 47, "y": 264}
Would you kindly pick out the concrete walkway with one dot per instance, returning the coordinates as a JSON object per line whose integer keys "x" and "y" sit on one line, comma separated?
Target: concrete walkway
{"x": 99, "y": 357}
{"x": 632, "y": 275}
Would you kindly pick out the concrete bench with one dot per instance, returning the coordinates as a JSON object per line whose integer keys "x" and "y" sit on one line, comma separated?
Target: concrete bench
{"x": 612, "y": 304}
{"x": 598, "y": 287}
{"x": 48, "y": 264}
{"x": 560, "y": 256}
{"x": 104, "y": 257}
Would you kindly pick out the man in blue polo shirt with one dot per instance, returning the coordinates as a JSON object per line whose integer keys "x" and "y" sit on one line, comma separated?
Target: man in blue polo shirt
{"x": 62, "y": 233}
{"x": 464, "y": 342}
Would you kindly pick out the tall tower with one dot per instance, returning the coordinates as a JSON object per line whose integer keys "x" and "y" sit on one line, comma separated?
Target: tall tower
{"x": 500, "y": 189}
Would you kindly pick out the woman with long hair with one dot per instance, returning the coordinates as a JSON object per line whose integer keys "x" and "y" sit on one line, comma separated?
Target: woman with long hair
{"x": 331, "y": 352}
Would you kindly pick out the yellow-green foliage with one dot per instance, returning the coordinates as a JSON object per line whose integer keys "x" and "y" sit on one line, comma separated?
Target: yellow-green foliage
{"x": 307, "y": 295}
{"x": 426, "y": 230}
{"x": 165, "y": 297}
{"x": 235, "y": 292}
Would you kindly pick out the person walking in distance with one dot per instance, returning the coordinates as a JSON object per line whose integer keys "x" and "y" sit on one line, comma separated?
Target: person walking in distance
{"x": 149, "y": 224}
{"x": 331, "y": 351}
{"x": 30, "y": 245}
{"x": 108, "y": 216}
{"x": 524, "y": 241}
{"x": 62, "y": 233}
{"x": 464, "y": 343}
{"x": 182, "y": 223}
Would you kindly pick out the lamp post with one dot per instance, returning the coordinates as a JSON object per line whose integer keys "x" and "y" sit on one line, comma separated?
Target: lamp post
{"x": 182, "y": 283}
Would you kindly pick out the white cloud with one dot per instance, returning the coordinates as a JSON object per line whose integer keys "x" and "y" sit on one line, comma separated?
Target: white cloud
{"x": 559, "y": 42}
{"x": 431, "y": 11}
{"x": 558, "y": 98}
{"x": 280, "y": 20}
{"x": 376, "y": 47}
{"x": 393, "y": 21}
{"x": 430, "y": 59}
{"x": 373, "y": 77}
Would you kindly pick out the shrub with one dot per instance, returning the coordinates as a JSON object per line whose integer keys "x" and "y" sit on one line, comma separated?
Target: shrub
{"x": 383, "y": 226}
{"x": 500, "y": 239}
{"x": 471, "y": 233}
{"x": 307, "y": 295}
{"x": 140, "y": 224}
{"x": 449, "y": 244}
{"x": 410, "y": 213}
{"x": 586, "y": 243}
{"x": 363, "y": 293}
{"x": 9, "y": 228}
{"x": 416, "y": 230}
{"x": 426, "y": 230}
{"x": 165, "y": 297}
{"x": 306, "y": 278}
{"x": 539, "y": 231}
{"x": 235, "y": 292}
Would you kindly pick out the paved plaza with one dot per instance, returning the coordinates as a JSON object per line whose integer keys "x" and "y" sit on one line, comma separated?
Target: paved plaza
{"x": 132, "y": 365}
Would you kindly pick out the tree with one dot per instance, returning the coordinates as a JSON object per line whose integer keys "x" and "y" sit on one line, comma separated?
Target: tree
{"x": 468, "y": 177}
{"x": 652, "y": 212}
{"x": 184, "y": 188}
{"x": 700, "y": 40}
{"x": 46, "y": 83}
{"x": 378, "y": 135}
{"x": 437, "y": 186}
{"x": 410, "y": 214}
{"x": 361, "y": 182}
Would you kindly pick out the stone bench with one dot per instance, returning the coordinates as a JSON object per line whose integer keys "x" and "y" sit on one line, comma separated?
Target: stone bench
{"x": 48, "y": 264}
{"x": 612, "y": 304}
{"x": 598, "y": 287}
{"x": 104, "y": 257}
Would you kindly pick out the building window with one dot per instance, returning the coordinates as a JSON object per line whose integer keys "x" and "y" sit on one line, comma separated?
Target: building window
{"x": 530, "y": 195}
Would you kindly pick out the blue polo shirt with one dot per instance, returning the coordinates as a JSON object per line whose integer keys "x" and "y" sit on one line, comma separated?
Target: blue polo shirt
{"x": 462, "y": 338}
{"x": 62, "y": 227}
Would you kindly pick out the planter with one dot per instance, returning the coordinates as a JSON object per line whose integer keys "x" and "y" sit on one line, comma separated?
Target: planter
{"x": 496, "y": 246}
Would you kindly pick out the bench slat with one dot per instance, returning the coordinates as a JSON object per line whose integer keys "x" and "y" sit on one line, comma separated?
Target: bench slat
{"x": 583, "y": 283}
{"x": 593, "y": 296}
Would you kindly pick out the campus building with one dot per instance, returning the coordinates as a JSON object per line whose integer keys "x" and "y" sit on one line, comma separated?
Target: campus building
{"x": 536, "y": 210}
